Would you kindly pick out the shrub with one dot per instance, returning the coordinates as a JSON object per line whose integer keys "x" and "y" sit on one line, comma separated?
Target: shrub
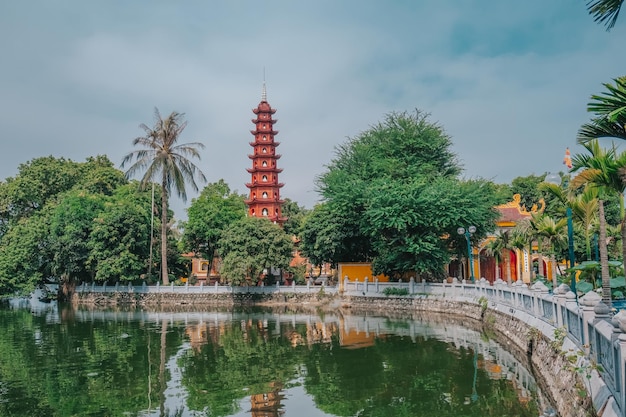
{"x": 395, "y": 291}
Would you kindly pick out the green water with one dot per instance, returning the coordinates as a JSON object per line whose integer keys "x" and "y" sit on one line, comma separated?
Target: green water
{"x": 64, "y": 362}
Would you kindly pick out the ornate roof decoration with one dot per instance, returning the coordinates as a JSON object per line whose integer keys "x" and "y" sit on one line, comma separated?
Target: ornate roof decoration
{"x": 513, "y": 211}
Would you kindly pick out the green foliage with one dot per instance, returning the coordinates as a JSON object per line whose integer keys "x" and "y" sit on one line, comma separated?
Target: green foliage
{"x": 528, "y": 189}
{"x": 70, "y": 227}
{"x": 395, "y": 291}
{"x": 295, "y": 217}
{"x": 393, "y": 197}
{"x": 118, "y": 242}
{"x": 483, "y": 303}
{"x": 209, "y": 215}
{"x": 328, "y": 235}
{"x": 557, "y": 339}
{"x": 252, "y": 245}
{"x": 86, "y": 223}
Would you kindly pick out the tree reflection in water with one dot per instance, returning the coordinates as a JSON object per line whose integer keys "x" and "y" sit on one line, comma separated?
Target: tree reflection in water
{"x": 101, "y": 363}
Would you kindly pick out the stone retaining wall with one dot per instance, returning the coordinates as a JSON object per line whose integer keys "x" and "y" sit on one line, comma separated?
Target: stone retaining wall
{"x": 200, "y": 300}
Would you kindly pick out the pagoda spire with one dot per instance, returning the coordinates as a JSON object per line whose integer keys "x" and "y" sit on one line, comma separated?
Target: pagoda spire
{"x": 264, "y": 199}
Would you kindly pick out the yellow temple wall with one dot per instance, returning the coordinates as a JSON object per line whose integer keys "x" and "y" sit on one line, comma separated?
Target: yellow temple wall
{"x": 358, "y": 271}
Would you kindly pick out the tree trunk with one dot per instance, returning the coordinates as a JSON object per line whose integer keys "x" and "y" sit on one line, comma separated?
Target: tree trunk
{"x": 497, "y": 268}
{"x": 66, "y": 289}
{"x": 624, "y": 244}
{"x": 555, "y": 283}
{"x": 531, "y": 269}
{"x": 162, "y": 381}
{"x": 604, "y": 257}
{"x": 542, "y": 272}
{"x": 164, "y": 274}
{"x": 507, "y": 265}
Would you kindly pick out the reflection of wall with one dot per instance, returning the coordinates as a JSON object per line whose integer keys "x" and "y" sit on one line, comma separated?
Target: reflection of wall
{"x": 267, "y": 404}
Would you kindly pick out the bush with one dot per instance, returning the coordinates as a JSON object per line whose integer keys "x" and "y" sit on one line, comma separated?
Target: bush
{"x": 395, "y": 291}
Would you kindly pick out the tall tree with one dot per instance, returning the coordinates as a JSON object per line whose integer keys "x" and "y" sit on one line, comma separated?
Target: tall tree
{"x": 164, "y": 160}
{"x": 252, "y": 245}
{"x": 602, "y": 169}
{"x": 605, "y": 11}
{"x": 553, "y": 233}
{"x": 393, "y": 197}
{"x": 493, "y": 248}
{"x": 208, "y": 216}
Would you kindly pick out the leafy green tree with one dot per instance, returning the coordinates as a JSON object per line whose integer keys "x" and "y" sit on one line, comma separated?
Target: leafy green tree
{"x": 528, "y": 189}
{"x": 37, "y": 182}
{"x": 392, "y": 196}
{"x": 208, "y": 216}
{"x": 70, "y": 227}
{"x": 119, "y": 241}
{"x": 411, "y": 226}
{"x": 164, "y": 160}
{"x": 605, "y": 11}
{"x": 252, "y": 245}
{"x": 328, "y": 236}
{"x": 295, "y": 217}
{"x": 24, "y": 254}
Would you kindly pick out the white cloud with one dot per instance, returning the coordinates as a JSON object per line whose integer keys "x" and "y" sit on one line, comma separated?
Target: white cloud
{"x": 508, "y": 83}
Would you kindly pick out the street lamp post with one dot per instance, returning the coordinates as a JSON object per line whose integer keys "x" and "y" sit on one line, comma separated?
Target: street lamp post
{"x": 468, "y": 233}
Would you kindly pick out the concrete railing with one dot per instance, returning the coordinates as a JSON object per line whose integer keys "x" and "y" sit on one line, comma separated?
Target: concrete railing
{"x": 204, "y": 289}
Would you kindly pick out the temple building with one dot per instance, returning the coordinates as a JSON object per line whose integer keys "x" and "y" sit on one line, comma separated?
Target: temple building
{"x": 264, "y": 199}
{"x": 516, "y": 264}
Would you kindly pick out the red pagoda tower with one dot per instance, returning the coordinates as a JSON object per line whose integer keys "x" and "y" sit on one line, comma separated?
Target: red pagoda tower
{"x": 264, "y": 200}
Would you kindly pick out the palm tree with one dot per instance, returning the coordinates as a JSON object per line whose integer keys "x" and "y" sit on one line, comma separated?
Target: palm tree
{"x": 584, "y": 208}
{"x": 534, "y": 223}
{"x": 602, "y": 169}
{"x": 554, "y": 233}
{"x": 162, "y": 158}
{"x": 500, "y": 249}
{"x": 493, "y": 248}
{"x": 524, "y": 234}
{"x": 609, "y": 109}
{"x": 605, "y": 11}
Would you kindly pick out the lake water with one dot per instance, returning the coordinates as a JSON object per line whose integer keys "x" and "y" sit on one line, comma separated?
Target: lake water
{"x": 254, "y": 363}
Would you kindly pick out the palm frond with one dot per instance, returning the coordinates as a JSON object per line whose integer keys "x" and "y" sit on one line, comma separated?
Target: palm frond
{"x": 605, "y": 11}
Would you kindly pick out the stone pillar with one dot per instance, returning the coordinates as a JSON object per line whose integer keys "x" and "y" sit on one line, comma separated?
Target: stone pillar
{"x": 559, "y": 295}
{"x": 411, "y": 285}
{"x": 345, "y": 283}
{"x": 539, "y": 291}
{"x": 376, "y": 286}
{"x": 366, "y": 281}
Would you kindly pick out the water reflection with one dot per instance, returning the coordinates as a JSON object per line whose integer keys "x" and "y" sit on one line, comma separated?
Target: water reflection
{"x": 64, "y": 362}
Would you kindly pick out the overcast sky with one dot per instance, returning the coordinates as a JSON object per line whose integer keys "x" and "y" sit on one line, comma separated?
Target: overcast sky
{"x": 508, "y": 80}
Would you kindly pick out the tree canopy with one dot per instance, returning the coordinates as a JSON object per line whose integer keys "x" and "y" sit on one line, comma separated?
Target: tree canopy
{"x": 209, "y": 215}
{"x": 393, "y": 196}
{"x": 71, "y": 221}
{"x": 252, "y": 245}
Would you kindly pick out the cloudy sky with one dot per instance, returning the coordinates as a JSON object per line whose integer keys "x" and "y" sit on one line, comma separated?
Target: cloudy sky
{"x": 508, "y": 80}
